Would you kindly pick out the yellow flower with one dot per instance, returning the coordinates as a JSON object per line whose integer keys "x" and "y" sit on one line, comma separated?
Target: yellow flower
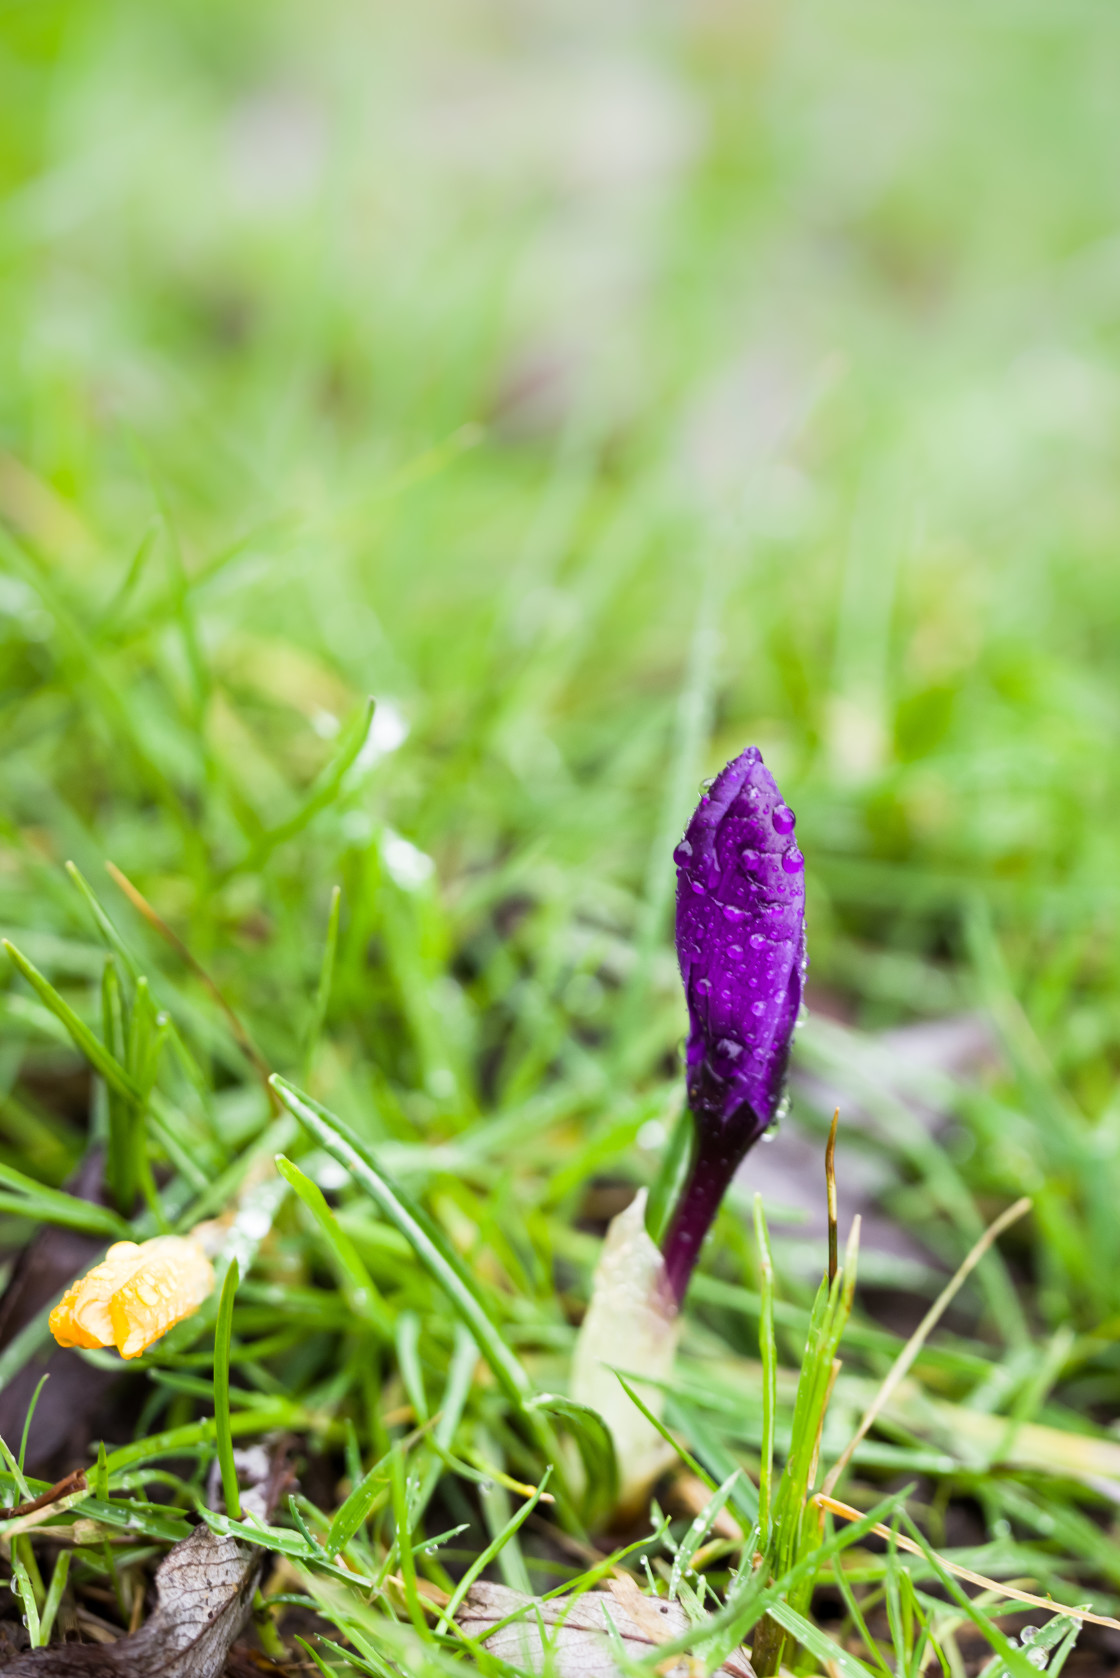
{"x": 134, "y": 1295}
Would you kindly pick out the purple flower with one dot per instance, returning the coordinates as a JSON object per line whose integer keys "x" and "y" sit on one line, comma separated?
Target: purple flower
{"x": 741, "y": 947}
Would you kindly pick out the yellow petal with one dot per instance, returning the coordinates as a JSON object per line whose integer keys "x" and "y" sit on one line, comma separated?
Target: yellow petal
{"x": 134, "y": 1295}
{"x": 81, "y": 1318}
{"x": 170, "y": 1284}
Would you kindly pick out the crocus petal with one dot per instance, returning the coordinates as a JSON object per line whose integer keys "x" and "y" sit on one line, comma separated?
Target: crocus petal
{"x": 741, "y": 944}
{"x": 741, "y": 947}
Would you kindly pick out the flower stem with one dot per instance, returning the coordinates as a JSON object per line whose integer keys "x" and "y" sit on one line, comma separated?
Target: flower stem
{"x": 715, "y": 1161}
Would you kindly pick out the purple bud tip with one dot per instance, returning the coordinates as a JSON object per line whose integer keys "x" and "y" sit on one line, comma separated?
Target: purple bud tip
{"x": 741, "y": 947}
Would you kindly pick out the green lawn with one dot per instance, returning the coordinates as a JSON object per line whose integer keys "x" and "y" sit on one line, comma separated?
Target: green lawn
{"x": 599, "y": 389}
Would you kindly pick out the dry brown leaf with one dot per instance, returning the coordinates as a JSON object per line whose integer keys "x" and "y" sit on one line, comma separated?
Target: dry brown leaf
{"x": 203, "y": 1587}
{"x": 579, "y": 1630}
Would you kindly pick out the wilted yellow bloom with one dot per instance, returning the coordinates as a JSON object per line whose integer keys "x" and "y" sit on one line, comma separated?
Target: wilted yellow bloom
{"x": 134, "y": 1295}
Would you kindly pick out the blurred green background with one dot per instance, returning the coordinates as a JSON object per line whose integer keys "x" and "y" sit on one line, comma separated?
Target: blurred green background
{"x": 600, "y": 387}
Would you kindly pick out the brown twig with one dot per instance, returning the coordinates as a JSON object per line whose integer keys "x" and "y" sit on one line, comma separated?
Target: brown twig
{"x": 244, "y": 1041}
{"x": 75, "y": 1482}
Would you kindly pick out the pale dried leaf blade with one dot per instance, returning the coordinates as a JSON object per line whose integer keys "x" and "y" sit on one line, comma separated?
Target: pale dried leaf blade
{"x": 578, "y": 1631}
{"x": 203, "y": 1590}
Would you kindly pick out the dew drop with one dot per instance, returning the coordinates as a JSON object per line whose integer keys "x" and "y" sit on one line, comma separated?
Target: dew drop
{"x": 728, "y": 1046}
{"x": 757, "y": 940}
{"x": 783, "y": 819}
{"x": 758, "y": 1009}
{"x": 734, "y": 949}
{"x": 1028, "y": 1634}
{"x": 697, "y": 887}
{"x": 682, "y": 852}
{"x": 793, "y": 861}
{"x": 1037, "y": 1657}
{"x": 707, "y": 783}
{"x": 703, "y": 986}
{"x": 731, "y": 913}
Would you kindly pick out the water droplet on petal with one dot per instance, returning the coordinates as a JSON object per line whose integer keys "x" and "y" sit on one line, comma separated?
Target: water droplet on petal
{"x": 697, "y": 887}
{"x": 708, "y": 781}
{"x": 682, "y": 852}
{"x": 731, "y": 913}
{"x": 728, "y": 1046}
{"x": 703, "y": 986}
{"x": 793, "y": 861}
{"x": 758, "y": 1009}
{"x": 757, "y": 940}
{"x": 734, "y": 949}
{"x": 783, "y": 819}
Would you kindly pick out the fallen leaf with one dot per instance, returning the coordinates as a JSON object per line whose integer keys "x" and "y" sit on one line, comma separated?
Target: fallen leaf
{"x": 578, "y": 1629}
{"x": 204, "y": 1588}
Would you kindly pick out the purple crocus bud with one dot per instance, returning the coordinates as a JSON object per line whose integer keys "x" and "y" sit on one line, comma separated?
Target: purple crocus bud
{"x": 741, "y": 947}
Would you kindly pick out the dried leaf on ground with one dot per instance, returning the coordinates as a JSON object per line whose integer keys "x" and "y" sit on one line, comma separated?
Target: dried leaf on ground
{"x": 204, "y": 1587}
{"x": 579, "y": 1630}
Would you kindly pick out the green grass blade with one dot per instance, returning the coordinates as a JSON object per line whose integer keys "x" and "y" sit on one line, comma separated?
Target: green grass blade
{"x": 326, "y": 977}
{"x": 54, "y": 1596}
{"x": 426, "y": 1240}
{"x": 596, "y": 1449}
{"x": 103, "y": 922}
{"x": 769, "y": 1353}
{"x": 25, "y": 1590}
{"x": 697, "y": 1530}
{"x": 28, "y": 1419}
{"x": 82, "y": 1037}
{"x": 223, "y": 1332}
{"x": 689, "y": 1461}
{"x": 494, "y": 1548}
{"x": 322, "y": 794}
{"x": 356, "y": 1509}
{"x": 832, "y": 1656}
{"x": 362, "y": 1294}
{"x": 54, "y": 1206}
{"x": 403, "y": 1523}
